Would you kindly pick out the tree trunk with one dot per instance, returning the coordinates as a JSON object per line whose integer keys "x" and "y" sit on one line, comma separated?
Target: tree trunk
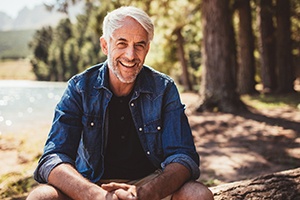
{"x": 283, "y": 49}
{"x": 267, "y": 46}
{"x": 181, "y": 55}
{"x": 218, "y": 80}
{"x": 246, "y": 71}
{"x": 278, "y": 186}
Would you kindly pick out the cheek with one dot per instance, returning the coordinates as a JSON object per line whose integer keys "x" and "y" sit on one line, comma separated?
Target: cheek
{"x": 142, "y": 55}
{"x": 115, "y": 53}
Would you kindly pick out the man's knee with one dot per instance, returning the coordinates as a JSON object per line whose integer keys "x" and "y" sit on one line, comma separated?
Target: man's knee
{"x": 193, "y": 190}
{"x": 46, "y": 192}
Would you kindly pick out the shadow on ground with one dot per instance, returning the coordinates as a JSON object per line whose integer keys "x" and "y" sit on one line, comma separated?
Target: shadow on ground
{"x": 237, "y": 147}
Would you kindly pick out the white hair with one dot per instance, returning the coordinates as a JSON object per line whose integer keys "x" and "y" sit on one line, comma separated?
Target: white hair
{"x": 114, "y": 19}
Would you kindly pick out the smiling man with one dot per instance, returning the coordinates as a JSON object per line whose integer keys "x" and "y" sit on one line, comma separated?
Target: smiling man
{"x": 120, "y": 131}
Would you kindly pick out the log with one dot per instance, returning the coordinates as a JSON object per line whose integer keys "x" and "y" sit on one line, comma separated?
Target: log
{"x": 283, "y": 185}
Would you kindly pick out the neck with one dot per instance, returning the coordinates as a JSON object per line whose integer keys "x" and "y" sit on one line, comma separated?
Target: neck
{"x": 119, "y": 88}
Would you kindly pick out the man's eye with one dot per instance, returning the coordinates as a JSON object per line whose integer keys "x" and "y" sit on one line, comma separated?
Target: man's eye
{"x": 140, "y": 47}
{"x": 121, "y": 45}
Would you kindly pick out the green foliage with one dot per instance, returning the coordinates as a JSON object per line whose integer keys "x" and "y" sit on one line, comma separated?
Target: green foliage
{"x": 70, "y": 48}
{"x": 14, "y": 44}
{"x": 40, "y": 44}
{"x": 74, "y": 47}
{"x": 16, "y": 185}
{"x": 270, "y": 101}
{"x": 295, "y": 29}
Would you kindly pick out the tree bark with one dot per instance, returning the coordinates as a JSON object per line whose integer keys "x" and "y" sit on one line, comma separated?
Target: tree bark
{"x": 246, "y": 71}
{"x": 283, "y": 48}
{"x": 181, "y": 55}
{"x": 267, "y": 46}
{"x": 278, "y": 186}
{"x": 218, "y": 79}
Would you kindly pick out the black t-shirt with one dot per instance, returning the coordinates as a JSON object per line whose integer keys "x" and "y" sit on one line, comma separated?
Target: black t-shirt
{"x": 124, "y": 156}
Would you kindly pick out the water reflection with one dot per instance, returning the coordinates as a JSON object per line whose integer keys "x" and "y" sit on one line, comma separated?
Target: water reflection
{"x": 27, "y": 105}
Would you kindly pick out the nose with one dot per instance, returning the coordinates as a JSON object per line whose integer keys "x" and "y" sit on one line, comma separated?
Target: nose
{"x": 130, "y": 52}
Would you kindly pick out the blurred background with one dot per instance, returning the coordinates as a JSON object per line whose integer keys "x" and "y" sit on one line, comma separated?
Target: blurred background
{"x": 225, "y": 57}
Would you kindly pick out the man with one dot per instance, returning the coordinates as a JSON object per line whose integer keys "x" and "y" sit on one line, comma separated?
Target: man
{"x": 120, "y": 131}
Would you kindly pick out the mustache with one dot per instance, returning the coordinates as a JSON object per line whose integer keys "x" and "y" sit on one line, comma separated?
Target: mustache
{"x": 135, "y": 60}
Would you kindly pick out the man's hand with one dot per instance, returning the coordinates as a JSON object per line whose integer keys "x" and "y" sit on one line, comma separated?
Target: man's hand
{"x": 70, "y": 182}
{"x": 122, "y": 190}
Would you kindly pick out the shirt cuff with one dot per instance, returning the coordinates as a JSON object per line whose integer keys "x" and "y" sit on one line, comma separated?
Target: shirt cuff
{"x": 185, "y": 161}
{"x": 47, "y": 164}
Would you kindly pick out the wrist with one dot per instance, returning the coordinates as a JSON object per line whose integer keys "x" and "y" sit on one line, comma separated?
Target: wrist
{"x": 145, "y": 192}
{"x": 94, "y": 191}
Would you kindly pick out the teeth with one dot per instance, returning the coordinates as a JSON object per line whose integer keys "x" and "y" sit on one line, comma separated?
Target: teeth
{"x": 128, "y": 64}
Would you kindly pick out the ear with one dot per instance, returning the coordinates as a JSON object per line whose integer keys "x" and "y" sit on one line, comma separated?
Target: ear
{"x": 104, "y": 45}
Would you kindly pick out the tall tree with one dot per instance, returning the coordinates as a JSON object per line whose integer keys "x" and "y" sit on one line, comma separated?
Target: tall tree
{"x": 166, "y": 12}
{"x": 267, "y": 45}
{"x": 246, "y": 71}
{"x": 40, "y": 44}
{"x": 283, "y": 47}
{"x": 218, "y": 81}
{"x": 184, "y": 64}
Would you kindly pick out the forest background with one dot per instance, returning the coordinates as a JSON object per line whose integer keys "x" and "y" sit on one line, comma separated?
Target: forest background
{"x": 227, "y": 52}
{"x": 220, "y": 48}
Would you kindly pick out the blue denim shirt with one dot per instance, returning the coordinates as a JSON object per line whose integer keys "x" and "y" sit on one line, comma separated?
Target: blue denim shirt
{"x": 78, "y": 133}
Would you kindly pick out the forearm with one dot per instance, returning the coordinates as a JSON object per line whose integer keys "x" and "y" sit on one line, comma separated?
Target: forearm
{"x": 171, "y": 179}
{"x": 69, "y": 181}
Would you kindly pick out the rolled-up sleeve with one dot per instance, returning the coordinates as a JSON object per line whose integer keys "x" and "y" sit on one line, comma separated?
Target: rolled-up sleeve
{"x": 185, "y": 161}
{"x": 47, "y": 164}
{"x": 63, "y": 139}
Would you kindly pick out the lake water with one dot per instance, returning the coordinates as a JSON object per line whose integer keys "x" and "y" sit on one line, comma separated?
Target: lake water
{"x": 27, "y": 105}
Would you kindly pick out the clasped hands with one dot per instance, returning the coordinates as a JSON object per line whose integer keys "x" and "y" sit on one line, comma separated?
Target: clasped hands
{"x": 121, "y": 191}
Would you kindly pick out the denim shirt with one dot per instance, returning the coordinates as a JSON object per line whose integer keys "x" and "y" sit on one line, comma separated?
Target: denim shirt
{"x": 79, "y": 128}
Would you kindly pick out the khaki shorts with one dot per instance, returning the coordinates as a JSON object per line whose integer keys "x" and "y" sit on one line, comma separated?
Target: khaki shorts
{"x": 138, "y": 182}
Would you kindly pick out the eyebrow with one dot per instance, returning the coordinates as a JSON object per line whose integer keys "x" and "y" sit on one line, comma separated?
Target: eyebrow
{"x": 124, "y": 40}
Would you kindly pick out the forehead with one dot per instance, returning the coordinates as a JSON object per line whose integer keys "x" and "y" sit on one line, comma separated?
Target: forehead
{"x": 131, "y": 30}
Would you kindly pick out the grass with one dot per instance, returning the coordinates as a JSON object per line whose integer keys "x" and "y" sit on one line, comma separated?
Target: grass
{"x": 16, "y": 70}
{"x": 272, "y": 101}
{"x": 14, "y": 44}
{"x": 17, "y": 183}
{"x": 17, "y": 186}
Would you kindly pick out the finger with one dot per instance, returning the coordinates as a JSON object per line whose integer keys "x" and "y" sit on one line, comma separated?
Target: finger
{"x": 126, "y": 195}
{"x": 107, "y": 187}
{"x": 111, "y": 196}
{"x": 114, "y": 186}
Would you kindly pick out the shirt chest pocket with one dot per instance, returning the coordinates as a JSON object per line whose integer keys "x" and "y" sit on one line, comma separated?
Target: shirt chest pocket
{"x": 92, "y": 131}
{"x": 153, "y": 135}
{"x": 153, "y": 127}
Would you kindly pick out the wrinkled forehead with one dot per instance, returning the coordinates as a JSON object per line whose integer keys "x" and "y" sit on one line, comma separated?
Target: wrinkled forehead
{"x": 130, "y": 29}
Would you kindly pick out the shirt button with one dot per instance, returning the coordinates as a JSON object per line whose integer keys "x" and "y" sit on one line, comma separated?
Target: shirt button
{"x": 92, "y": 124}
{"x": 122, "y": 118}
{"x": 122, "y": 137}
{"x": 132, "y": 104}
{"x": 148, "y": 152}
{"x": 158, "y": 128}
{"x": 140, "y": 129}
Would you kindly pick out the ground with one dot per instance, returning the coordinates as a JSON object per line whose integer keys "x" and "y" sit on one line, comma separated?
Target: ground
{"x": 231, "y": 147}
{"x": 237, "y": 147}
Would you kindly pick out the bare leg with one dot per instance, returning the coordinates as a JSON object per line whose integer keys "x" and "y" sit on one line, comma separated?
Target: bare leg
{"x": 193, "y": 191}
{"x": 46, "y": 192}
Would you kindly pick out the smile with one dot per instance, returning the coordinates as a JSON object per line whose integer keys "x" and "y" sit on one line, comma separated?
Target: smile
{"x": 128, "y": 65}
